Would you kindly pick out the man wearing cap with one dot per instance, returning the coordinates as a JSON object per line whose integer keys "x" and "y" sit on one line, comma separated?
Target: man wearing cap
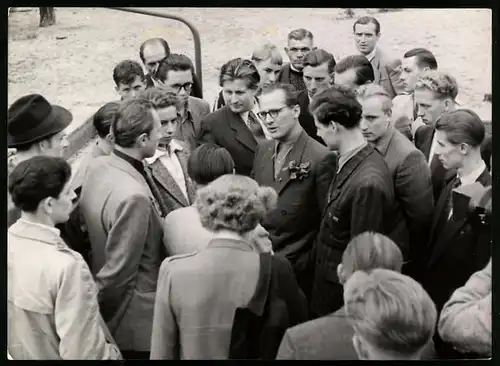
{"x": 34, "y": 127}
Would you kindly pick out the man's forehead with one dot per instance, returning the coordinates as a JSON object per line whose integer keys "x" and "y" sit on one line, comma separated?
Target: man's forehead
{"x": 346, "y": 77}
{"x": 295, "y": 43}
{"x": 273, "y": 99}
{"x": 154, "y": 50}
{"x": 425, "y": 96}
{"x": 365, "y": 28}
{"x": 179, "y": 76}
{"x": 409, "y": 62}
{"x": 316, "y": 71}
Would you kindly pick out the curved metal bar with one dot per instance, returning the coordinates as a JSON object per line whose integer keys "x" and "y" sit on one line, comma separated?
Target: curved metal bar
{"x": 194, "y": 31}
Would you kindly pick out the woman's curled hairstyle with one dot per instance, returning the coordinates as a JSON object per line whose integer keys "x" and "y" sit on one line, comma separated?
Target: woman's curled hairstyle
{"x": 235, "y": 203}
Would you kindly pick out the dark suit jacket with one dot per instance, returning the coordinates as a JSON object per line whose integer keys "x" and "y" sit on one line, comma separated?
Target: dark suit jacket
{"x": 456, "y": 249}
{"x": 361, "y": 198}
{"x": 170, "y": 193}
{"x": 326, "y": 338}
{"x": 227, "y": 129}
{"x": 387, "y": 72}
{"x": 198, "y": 108}
{"x": 294, "y": 223}
{"x": 306, "y": 119}
{"x": 412, "y": 184}
{"x": 127, "y": 249}
{"x": 423, "y": 142}
{"x": 288, "y": 76}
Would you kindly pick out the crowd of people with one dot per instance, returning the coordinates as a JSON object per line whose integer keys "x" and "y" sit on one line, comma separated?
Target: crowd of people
{"x": 319, "y": 209}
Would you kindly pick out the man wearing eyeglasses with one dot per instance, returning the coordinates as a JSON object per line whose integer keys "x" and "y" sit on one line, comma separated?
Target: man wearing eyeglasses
{"x": 175, "y": 74}
{"x": 300, "y": 42}
{"x": 169, "y": 163}
{"x": 291, "y": 164}
{"x": 152, "y": 52}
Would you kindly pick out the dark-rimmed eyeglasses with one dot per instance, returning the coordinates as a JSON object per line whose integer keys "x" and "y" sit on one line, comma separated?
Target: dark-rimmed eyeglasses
{"x": 272, "y": 112}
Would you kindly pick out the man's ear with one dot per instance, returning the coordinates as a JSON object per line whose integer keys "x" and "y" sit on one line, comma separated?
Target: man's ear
{"x": 296, "y": 110}
{"x": 340, "y": 273}
{"x": 286, "y": 49}
{"x": 314, "y": 48}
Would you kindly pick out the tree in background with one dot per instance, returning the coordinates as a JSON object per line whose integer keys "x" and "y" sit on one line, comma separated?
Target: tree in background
{"x": 47, "y": 16}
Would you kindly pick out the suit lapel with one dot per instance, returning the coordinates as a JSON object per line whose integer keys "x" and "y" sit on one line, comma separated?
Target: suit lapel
{"x": 376, "y": 66}
{"x": 451, "y": 227}
{"x": 190, "y": 187}
{"x": 242, "y": 133}
{"x": 266, "y": 165}
{"x": 195, "y": 114}
{"x": 163, "y": 176}
{"x": 295, "y": 154}
{"x": 426, "y": 144}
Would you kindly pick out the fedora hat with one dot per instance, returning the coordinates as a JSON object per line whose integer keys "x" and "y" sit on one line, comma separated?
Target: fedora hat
{"x": 32, "y": 118}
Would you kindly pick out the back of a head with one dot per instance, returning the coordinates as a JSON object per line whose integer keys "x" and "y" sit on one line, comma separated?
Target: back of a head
{"x": 371, "y": 250}
{"x": 424, "y": 58}
{"x": 174, "y": 62}
{"x": 462, "y": 126}
{"x": 235, "y": 203}
{"x": 390, "y": 312}
{"x": 362, "y": 66}
{"x": 160, "y": 98}
{"x": 151, "y": 41}
{"x": 336, "y": 104}
{"x": 126, "y": 71}
{"x": 318, "y": 57}
{"x": 37, "y": 178}
{"x": 104, "y": 117}
{"x": 209, "y": 162}
{"x": 133, "y": 118}
{"x": 267, "y": 51}
{"x": 240, "y": 69}
{"x": 300, "y": 34}
{"x": 441, "y": 83}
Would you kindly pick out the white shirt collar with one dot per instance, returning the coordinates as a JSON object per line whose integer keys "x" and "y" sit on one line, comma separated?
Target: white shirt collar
{"x": 174, "y": 146}
{"x": 371, "y": 55}
{"x": 42, "y": 226}
{"x": 294, "y": 69}
{"x": 472, "y": 176}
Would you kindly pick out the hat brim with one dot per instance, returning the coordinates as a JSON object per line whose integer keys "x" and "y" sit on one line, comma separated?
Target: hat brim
{"x": 58, "y": 119}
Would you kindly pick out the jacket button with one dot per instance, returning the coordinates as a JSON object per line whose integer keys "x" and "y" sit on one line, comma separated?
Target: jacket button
{"x": 283, "y": 212}
{"x": 280, "y": 180}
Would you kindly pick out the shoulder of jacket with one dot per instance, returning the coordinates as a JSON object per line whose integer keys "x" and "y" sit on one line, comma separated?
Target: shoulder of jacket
{"x": 177, "y": 257}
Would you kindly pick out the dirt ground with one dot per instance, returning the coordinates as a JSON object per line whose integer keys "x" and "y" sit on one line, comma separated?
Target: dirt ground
{"x": 71, "y": 63}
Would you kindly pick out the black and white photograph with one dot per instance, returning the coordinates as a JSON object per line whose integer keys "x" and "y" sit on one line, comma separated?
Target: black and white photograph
{"x": 188, "y": 183}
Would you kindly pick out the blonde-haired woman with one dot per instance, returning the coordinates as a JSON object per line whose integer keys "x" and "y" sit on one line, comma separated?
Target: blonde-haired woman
{"x": 198, "y": 294}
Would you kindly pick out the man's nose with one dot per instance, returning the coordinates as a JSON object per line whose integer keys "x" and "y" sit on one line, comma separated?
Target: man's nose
{"x": 272, "y": 77}
{"x": 362, "y": 124}
{"x": 420, "y": 112}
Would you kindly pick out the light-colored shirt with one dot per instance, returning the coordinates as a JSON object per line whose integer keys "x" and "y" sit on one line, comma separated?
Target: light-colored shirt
{"x": 433, "y": 149}
{"x": 343, "y": 159}
{"x": 171, "y": 162}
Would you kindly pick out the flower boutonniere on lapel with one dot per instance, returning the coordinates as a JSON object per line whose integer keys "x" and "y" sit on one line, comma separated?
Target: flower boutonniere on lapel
{"x": 298, "y": 171}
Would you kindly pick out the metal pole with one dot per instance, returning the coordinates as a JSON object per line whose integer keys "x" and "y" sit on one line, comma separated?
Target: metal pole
{"x": 194, "y": 31}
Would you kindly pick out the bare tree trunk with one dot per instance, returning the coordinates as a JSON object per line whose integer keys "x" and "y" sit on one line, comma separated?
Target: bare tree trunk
{"x": 47, "y": 16}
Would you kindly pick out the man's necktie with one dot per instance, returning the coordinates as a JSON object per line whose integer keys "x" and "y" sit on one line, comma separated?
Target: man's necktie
{"x": 155, "y": 191}
{"x": 254, "y": 125}
{"x": 455, "y": 183}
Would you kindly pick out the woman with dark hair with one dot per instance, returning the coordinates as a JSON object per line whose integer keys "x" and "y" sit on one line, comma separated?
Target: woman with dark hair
{"x": 205, "y": 164}
{"x": 199, "y": 294}
{"x": 52, "y": 298}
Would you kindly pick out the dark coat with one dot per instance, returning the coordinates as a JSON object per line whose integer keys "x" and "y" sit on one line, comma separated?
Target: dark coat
{"x": 457, "y": 248}
{"x": 413, "y": 187}
{"x": 361, "y": 198}
{"x": 276, "y": 305}
{"x": 325, "y": 338}
{"x": 227, "y": 129}
{"x": 288, "y": 76}
{"x": 294, "y": 223}
{"x": 439, "y": 174}
{"x": 306, "y": 119}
